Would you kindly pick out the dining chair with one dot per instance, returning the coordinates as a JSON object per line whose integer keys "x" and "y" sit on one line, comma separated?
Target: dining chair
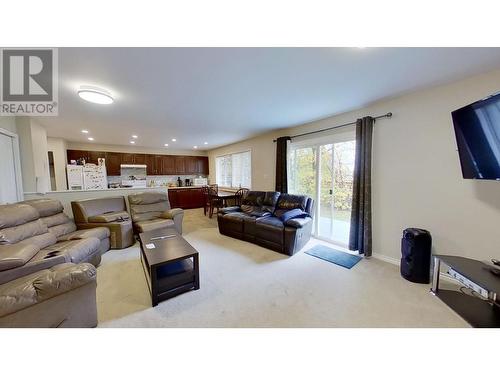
{"x": 240, "y": 194}
{"x": 206, "y": 200}
{"x": 214, "y": 200}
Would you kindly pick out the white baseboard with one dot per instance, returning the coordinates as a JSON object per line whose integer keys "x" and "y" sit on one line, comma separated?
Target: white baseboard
{"x": 396, "y": 262}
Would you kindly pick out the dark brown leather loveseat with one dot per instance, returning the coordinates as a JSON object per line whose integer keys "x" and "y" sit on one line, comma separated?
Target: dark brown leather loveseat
{"x": 263, "y": 218}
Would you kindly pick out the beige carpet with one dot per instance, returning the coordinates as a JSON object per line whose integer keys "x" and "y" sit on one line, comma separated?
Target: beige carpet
{"x": 244, "y": 285}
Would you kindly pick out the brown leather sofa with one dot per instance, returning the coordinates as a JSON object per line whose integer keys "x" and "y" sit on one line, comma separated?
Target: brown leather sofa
{"x": 109, "y": 213}
{"x": 64, "y": 228}
{"x": 151, "y": 210}
{"x": 261, "y": 219}
{"x": 45, "y": 277}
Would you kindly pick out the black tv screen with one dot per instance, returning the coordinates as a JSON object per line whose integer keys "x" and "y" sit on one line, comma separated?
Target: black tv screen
{"x": 477, "y": 129}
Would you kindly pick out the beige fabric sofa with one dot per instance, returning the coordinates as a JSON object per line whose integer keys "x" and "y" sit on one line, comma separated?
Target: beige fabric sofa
{"x": 64, "y": 228}
{"x": 108, "y": 213}
{"x": 151, "y": 210}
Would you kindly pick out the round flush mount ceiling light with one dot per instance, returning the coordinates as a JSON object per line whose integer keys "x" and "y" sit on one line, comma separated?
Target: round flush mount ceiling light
{"x": 95, "y": 95}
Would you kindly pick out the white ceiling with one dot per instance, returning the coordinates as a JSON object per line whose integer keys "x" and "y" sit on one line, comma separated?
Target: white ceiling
{"x": 223, "y": 95}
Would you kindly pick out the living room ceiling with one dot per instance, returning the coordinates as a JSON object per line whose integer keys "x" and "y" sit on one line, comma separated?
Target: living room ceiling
{"x": 224, "y": 95}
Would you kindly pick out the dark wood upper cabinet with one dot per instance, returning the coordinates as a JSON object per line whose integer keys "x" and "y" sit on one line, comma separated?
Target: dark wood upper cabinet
{"x": 151, "y": 165}
{"x": 168, "y": 165}
{"x": 156, "y": 165}
{"x": 140, "y": 159}
{"x": 113, "y": 162}
{"x": 77, "y": 154}
{"x": 128, "y": 158}
{"x": 180, "y": 165}
{"x": 202, "y": 165}
{"x": 191, "y": 164}
{"x": 95, "y": 155}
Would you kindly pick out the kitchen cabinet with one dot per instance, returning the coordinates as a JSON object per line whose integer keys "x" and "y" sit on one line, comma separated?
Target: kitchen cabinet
{"x": 140, "y": 159}
{"x": 180, "y": 165}
{"x": 168, "y": 165}
{"x": 128, "y": 158}
{"x": 191, "y": 164}
{"x": 202, "y": 165}
{"x": 156, "y": 165}
{"x": 186, "y": 198}
{"x": 113, "y": 162}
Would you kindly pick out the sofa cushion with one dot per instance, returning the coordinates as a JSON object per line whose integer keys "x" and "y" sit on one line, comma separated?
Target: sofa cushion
{"x": 45, "y": 206}
{"x": 76, "y": 251}
{"x": 40, "y": 286}
{"x": 99, "y": 232}
{"x": 145, "y": 226}
{"x": 15, "y": 214}
{"x": 285, "y": 215}
{"x": 13, "y": 256}
{"x": 20, "y": 232}
{"x": 147, "y": 198}
{"x": 41, "y": 241}
{"x": 63, "y": 229}
{"x": 270, "y": 229}
{"x": 57, "y": 219}
{"x": 289, "y": 202}
{"x": 108, "y": 217}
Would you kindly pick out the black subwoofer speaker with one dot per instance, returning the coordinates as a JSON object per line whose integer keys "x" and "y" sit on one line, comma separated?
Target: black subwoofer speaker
{"x": 416, "y": 255}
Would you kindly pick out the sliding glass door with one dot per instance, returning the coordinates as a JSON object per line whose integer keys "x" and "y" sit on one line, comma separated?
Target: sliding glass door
{"x": 323, "y": 169}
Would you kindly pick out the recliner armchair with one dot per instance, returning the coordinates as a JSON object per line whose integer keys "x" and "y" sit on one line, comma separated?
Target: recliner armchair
{"x": 108, "y": 213}
{"x": 151, "y": 210}
{"x": 261, "y": 219}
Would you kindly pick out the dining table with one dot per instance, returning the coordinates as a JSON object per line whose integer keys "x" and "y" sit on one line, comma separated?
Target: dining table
{"x": 224, "y": 196}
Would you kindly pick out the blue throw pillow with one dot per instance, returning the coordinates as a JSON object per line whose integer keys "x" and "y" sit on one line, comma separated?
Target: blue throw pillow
{"x": 293, "y": 214}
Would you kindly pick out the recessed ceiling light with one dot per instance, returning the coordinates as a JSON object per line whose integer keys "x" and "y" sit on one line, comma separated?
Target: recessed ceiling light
{"x": 166, "y": 145}
{"x": 195, "y": 146}
{"x": 174, "y": 140}
{"x": 133, "y": 142}
{"x": 85, "y": 131}
{"x": 95, "y": 95}
{"x": 90, "y": 138}
{"x": 134, "y": 136}
{"x": 205, "y": 143}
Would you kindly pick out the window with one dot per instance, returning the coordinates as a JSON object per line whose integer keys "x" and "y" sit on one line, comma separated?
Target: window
{"x": 234, "y": 170}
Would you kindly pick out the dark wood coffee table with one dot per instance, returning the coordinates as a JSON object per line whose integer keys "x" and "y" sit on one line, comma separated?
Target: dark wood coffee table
{"x": 171, "y": 267}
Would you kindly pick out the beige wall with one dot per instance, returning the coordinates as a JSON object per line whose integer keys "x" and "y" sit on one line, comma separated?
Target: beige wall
{"x": 8, "y": 123}
{"x": 417, "y": 180}
{"x": 263, "y": 159}
{"x": 34, "y": 157}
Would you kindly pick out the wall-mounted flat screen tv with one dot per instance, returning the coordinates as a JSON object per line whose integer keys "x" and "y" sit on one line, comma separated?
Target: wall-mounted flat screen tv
{"x": 477, "y": 129}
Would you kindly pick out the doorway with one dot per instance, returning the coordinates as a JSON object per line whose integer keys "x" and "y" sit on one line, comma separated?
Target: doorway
{"x": 10, "y": 168}
{"x": 323, "y": 169}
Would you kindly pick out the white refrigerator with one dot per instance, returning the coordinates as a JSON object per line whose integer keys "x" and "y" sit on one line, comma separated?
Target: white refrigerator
{"x": 87, "y": 177}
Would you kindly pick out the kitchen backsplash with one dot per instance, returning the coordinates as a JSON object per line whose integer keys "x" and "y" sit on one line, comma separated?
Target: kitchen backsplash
{"x": 154, "y": 181}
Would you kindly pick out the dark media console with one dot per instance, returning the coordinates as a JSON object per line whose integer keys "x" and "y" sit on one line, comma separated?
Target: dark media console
{"x": 480, "y": 308}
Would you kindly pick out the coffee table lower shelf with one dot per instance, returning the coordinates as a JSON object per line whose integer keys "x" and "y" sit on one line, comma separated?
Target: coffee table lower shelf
{"x": 171, "y": 278}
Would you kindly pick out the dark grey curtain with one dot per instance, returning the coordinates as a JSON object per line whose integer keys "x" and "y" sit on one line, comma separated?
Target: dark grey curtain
{"x": 360, "y": 236}
{"x": 281, "y": 171}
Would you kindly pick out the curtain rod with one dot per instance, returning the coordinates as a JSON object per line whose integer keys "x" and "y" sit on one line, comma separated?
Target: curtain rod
{"x": 388, "y": 115}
